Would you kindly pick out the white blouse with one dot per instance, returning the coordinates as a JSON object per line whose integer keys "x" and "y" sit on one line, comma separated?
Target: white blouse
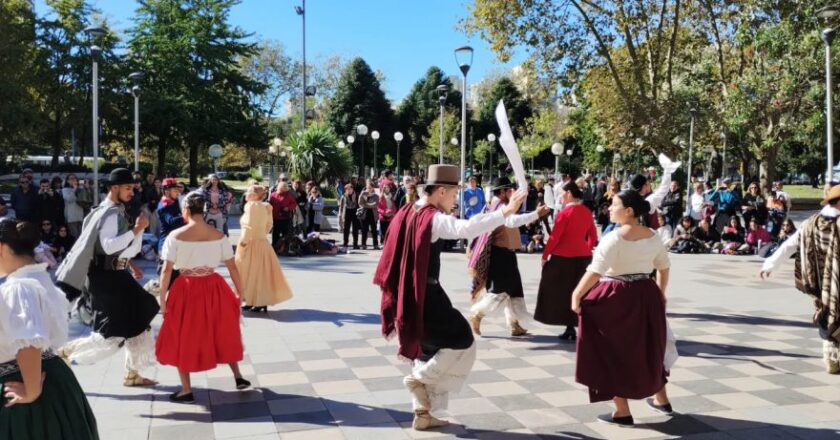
{"x": 193, "y": 254}
{"x": 617, "y": 256}
{"x": 33, "y": 312}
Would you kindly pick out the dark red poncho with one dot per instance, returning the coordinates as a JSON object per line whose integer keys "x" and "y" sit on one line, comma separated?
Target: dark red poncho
{"x": 401, "y": 274}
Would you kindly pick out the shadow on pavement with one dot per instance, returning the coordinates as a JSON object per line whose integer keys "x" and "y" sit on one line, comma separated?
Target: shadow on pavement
{"x": 312, "y": 315}
{"x": 730, "y": 318}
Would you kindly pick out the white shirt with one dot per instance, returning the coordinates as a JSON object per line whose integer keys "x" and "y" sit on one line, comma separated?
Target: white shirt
{"x": 447, "y": 227}
{"x": 33, "y": 312}
{"x": 548, "y": 197}
{"x": 789, "y": 247}
{"x": 194, "y": 254}
{"x": 617, "y": 256}
{"x": 112, "y": 243}
{"x": 697, "y": 202}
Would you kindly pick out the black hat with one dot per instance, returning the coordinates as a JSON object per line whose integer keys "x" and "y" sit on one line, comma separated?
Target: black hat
{"x": 638, "y": 181}
{"x": 120, "y": 176}
{"x": 502, "y": 183}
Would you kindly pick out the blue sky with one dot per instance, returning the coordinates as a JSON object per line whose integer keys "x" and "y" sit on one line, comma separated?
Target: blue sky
{"x": 402, "y": 38}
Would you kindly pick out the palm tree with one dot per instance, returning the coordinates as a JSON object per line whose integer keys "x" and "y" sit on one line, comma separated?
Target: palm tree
{"x": 314, "y": 155}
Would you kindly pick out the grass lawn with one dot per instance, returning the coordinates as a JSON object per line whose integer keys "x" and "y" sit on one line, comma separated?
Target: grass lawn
{"x": 804, "y": 192}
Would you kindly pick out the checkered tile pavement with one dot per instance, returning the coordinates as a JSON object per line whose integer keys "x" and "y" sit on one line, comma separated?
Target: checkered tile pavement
{"x": 750, "y": 367}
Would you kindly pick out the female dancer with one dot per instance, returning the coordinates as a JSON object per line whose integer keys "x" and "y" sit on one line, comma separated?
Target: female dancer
{"x": 622, "y": 341}
{"x": 264, "y": 281}
{"x": 43, "y": 400}
{"x": 200, "y": 313}
{"x": 565, "y": 258}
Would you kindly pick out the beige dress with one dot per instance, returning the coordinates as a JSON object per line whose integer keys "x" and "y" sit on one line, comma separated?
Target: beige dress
{"x": 263, "y": 281}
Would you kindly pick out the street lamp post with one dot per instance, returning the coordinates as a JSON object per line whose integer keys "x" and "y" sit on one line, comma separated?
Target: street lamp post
{"x": 723, "y": 157}
{"x": 350, "y": 141}
{"x": 215, "y": 151}
{"x": 693, "y": 112}
{"x": 362, "y": 131}
{"x": 600, "y": 149}
{"x": 569, "y": 156}
{"x": 398, "y": 137}
{"x": 136, "y": 77}
{"x": 828, "y": 14}
{"x": 301, "y": 10}
{"x": 95, "y": 53}
{"x": 375, "y": 136}
{"x": 492, "y": 139}
{"x": 557, "y": 151}
{"x": 616, "y": 158}
{"x": 442, "y": 91}
{"x": 464, "y": 58}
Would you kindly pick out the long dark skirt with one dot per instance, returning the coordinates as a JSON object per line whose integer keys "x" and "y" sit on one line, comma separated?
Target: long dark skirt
{"x": 560, "y": 276}
{"x": 61, "y": 412}
{"x": 503, "y": 274}
{"x": 122, "y": 308}
{"x": 621, "y": 344}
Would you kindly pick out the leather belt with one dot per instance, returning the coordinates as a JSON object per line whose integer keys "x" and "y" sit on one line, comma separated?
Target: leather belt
{"x": 107, "y": 262}
{"x": 432, "y": 281}
{"x": 627, "y": 278}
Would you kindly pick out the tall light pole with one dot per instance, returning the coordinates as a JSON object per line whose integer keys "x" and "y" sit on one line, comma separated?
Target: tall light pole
{"x": 557, "y": 151}
{"x": 95, "y": 53}
{"x": 442, "y": 91}
{"x": 375, "y": 136}
{"x": 829, "y": 13}
{"x": 693, "y": 112}
{"x": 492, "y": 139}
{"x": 215, "y": 151}
{"x": 350, "y": 140}
{"x": 301, "y": 10}
{"x": 362, "y": 131}
{"x": 569, "y": 156}
{"x": 136, "y": 77}
{"x": 616, "y": 158}
{"x": 398, "y": 137}
{"x": 723, "y": 158}
{"x": 464, "y": 58}
{"x": 600, "y": 149}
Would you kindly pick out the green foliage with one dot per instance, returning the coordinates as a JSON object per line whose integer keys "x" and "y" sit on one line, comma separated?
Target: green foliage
{"x": 518, "y": 109}
{"x": 421, "y": 107}
{"x": 359, "y": 99}
{"x": 19, "y": 116}
{"x": 314, "y": 155}
{"x": 431, "y": 152}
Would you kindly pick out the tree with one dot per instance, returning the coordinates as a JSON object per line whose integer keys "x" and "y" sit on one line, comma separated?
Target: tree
{"x": 19, "y": 117}
{"x": 359, "y": 99}
{"x": 314, "y": 155}
{"x": 197, "y": 94}
{"x": 431, "y": 140}
{"x": 277, "y": 71}
{"x": 421, "y": 107}
{"x": 518, "y": 109}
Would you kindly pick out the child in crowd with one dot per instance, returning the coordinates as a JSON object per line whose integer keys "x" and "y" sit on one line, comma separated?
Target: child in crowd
{"x": 732, "y": 236}
{"x": 684, "y": 240}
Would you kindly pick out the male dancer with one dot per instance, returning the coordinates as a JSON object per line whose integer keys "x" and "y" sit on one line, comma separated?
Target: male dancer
{"x": 499, "y": 272}
{"x": 431, "y": 332}
{"x": 169, "y": 213}
{"x": 817, "y": 271}
{"x": 100, "y": 259}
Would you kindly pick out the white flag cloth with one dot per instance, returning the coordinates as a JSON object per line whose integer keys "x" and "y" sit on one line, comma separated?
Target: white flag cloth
{"x": 508, "y": 143}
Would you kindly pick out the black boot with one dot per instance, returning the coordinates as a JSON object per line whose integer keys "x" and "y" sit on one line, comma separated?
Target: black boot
{"x": 569, "y": 335}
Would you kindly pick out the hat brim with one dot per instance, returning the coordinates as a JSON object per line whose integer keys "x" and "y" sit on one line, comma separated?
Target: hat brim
{"x": 434, "y": 183}
{"x": 508, "y": 186}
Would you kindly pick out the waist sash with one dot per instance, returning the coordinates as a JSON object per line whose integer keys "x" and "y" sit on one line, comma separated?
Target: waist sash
{"x": 12, "y": 367}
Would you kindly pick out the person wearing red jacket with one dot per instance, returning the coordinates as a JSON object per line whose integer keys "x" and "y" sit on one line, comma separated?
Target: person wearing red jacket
{"x": 387, "y": 208}
{"x": 564, "y": 260}
{"x": 283, "y": 205}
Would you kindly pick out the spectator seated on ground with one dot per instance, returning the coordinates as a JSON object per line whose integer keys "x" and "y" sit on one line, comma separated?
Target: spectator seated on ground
{"x": 776, "y": 214}
{"x": 665, "y": 232}
{"x": 732, "y": 236}
{"x": 685, "y": 241}
{"x": 707, "y": 237}
{"x": 63, "y": 242}
{"x": 788, "y": 229}
{"x": 315, "y": 245}
{"x": 756, "y": 237}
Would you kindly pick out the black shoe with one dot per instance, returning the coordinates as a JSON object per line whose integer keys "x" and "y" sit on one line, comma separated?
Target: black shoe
{"x": 616, "y": 421}
{"x": 569, "y": 335}
{"x": 183, "y": 398}
{"x": 263, "y": 309}
{"x": 241, "y": 383}
{"x": 666, "y": 409}
{"x": 247, "y": 308}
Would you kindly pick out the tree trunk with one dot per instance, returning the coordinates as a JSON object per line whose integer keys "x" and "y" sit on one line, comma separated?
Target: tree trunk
{"x": 767, "y": 168}
{"x": 161, "y": 157}
{"x": 193, "y": 164}
{"x": 56, "y": 147}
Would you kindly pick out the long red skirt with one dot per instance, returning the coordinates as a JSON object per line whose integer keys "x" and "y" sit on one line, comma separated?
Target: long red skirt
{"x": 621, "y": 344}
{"x": 201, "y": 326}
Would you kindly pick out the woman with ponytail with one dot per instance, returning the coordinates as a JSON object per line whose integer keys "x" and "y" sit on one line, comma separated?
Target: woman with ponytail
{"x": 622, "y": 343}
{"x": 43, "y": 399}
